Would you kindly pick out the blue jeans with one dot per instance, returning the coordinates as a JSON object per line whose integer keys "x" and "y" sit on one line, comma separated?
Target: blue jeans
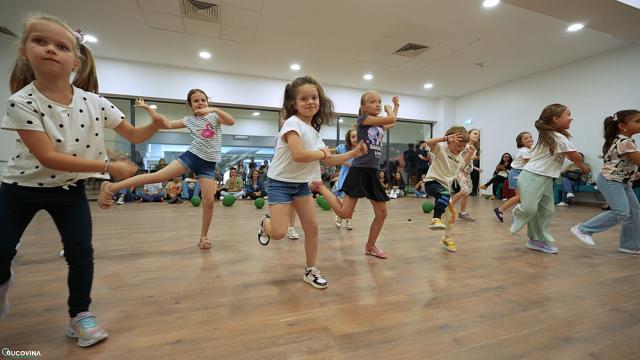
{"x": 185, "y": 190}
{"x": 568, "y": 186}
{"x": 624, "y": 208}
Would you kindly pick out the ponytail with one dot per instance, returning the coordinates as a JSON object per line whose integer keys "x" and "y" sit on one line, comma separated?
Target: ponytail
{"x": 86, "y": 77}
{"x": 611, "y": 128}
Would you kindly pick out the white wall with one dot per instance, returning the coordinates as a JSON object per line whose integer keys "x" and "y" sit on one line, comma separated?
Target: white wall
{"x": 7, "y": 138}
{"x": 592, "y": 88}
{"x": 131, "y": 78}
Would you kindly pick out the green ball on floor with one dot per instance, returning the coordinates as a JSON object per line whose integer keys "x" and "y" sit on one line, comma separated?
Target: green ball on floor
{"x": 319, "y": 199}
{"x": 195, "y": 201}
{"x": 228, "y": 200}
{"x": 427, "y": 206}
{"x": 259, "y": 203}
{"x": 324, "y": 204}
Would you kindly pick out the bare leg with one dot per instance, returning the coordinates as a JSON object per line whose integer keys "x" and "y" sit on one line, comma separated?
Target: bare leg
{"x": 292, "y": 215}
{"x": 343, "y": 209}
{"x": 276, "y": 226}
{"x": 208, "y": 192}
{"x": 509, "y": 203}
{"x": 307, "y": 212}
{"x": 380, "y": 214}
{"x": 107, "y": 189}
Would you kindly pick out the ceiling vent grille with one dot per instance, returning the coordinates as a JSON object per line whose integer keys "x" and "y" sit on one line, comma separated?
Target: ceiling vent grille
{"x": 411, "y": 50}
{"x": 207, "y": 10}
{"x": 6, "y": 31}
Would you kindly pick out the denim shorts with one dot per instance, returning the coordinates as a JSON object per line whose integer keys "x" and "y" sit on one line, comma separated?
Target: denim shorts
{"x": 282, "y": 192}
{"x": 202, "y": 168}
{"x": 513, "y": 178}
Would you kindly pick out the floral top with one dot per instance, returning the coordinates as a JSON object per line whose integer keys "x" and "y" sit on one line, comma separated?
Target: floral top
{"x": 617, "y": 167}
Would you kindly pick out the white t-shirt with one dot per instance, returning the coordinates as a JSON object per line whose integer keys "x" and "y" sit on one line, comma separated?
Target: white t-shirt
{"x": 543, "y": 163}
{"x": 523, "y": 154}
{"x": 445, "y": 165}
{"x": 283, "y": 167}
{"x": 76, "y": 129}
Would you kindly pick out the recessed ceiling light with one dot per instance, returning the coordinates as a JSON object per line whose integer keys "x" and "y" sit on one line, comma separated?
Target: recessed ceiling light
{"x": 428, "y": 85}
{"x": 575, "y": 27}
{"x": 256, "y": 113}
{"x": 295, "y": 67}
{"x": 367, "y": 76}
{"x": 90, "y": 38}
{"x": 340, "y": 120}
{"x": 205, "y": 55}
{"x": 490, "y": 3}
{"x": 154, "y": 106}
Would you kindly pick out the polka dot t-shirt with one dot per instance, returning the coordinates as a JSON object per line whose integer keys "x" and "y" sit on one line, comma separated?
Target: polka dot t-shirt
{"x": 77, "y": 129}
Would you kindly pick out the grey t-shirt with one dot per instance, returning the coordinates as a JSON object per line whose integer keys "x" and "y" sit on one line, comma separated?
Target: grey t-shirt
{"x": 373, "y": 137}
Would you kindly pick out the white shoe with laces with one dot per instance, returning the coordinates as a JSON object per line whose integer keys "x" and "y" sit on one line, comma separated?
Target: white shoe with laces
{"x": 570, "y": 195}
{"x": 292, "y": 233}
{"x": 85, "y": 328}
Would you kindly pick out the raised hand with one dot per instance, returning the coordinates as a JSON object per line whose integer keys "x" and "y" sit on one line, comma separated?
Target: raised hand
{"x": 454, "y": 138}
{"x": 388, "y": 109}
{"x": 396, "y": 101}
{"x": 141, "y": 104}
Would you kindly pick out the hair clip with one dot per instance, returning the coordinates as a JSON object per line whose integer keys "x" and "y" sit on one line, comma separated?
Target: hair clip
{"x": 79, "y": 35}
{"x": 615, "y": 117}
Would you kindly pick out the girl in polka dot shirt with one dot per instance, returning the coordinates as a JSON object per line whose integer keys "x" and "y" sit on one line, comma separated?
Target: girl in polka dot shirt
{"x": 61, "y": 143}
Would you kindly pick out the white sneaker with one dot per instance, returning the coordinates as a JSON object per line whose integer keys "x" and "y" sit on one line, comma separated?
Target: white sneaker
{"x": 221, "y": 197}
{"x": 585, "y": 238}
{"x": 570, "y": 195}
{"x": 338, "y": 221}
{"x": 292, "y": 233}
{"x": 314, "y": 277}
{"x": 349, "y": 224}
{"x": 85, "y": 328}
{"x": 562, "y": 203}
{"x": 120, "y": 200}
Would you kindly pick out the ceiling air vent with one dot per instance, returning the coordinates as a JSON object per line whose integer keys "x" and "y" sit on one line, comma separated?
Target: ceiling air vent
{"x": 207, "y": 10}
{"x": 4, "y": 30}
{"x": 411, "y": 50}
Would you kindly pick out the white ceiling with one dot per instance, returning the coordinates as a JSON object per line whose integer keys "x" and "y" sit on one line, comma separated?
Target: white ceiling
{"x": 337, "y": 41}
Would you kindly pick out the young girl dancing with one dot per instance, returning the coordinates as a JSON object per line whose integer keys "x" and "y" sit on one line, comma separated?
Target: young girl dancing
{"x": 201, "y": 156}
{"x": 61, "y": 129}
{"x": 621, "y": 160}
{"x": 295, "y": 163}
{"x": 536, "y": 179}
{"x": 524, "y": 141}
{"x": 350, "y": 141}
{"x": 464, "y": 176}
{"x": 362, "y": 180}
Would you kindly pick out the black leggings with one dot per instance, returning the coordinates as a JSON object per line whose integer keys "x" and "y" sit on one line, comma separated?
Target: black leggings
{"x": 441, "y": 194}
{"x": 70, "y": 212}
{"x": 495, "y": 180}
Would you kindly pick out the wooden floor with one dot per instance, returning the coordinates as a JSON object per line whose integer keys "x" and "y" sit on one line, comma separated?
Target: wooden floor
{"x": 159, "y": 296}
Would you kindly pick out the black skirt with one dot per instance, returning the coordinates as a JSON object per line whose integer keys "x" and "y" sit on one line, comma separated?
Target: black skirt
{"x": 363, "y": 182}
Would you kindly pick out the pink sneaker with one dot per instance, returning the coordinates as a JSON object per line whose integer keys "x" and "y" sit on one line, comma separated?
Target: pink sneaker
{"x": 374, "y": 251}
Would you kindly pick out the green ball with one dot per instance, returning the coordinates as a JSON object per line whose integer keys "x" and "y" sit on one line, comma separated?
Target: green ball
{"x": 324, "y": 204}
{"x": 228, "y": 200}
{"x": 427, "y": 206}
{"x": 259, "y": 203}
{"x": 319, "y": 199}
{"x": 195, "y": 201}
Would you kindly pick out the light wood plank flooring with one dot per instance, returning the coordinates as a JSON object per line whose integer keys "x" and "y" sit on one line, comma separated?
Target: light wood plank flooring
{"x": 160, "y": 297}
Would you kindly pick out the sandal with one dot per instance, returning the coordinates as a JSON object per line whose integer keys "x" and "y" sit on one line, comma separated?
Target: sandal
{"x": 374, "y": 251}
{"x": 105, "y": 197}
{"x": 204, "y": 243}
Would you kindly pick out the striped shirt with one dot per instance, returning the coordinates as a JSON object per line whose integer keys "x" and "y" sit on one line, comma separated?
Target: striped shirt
{"x": 207, "y": 136}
